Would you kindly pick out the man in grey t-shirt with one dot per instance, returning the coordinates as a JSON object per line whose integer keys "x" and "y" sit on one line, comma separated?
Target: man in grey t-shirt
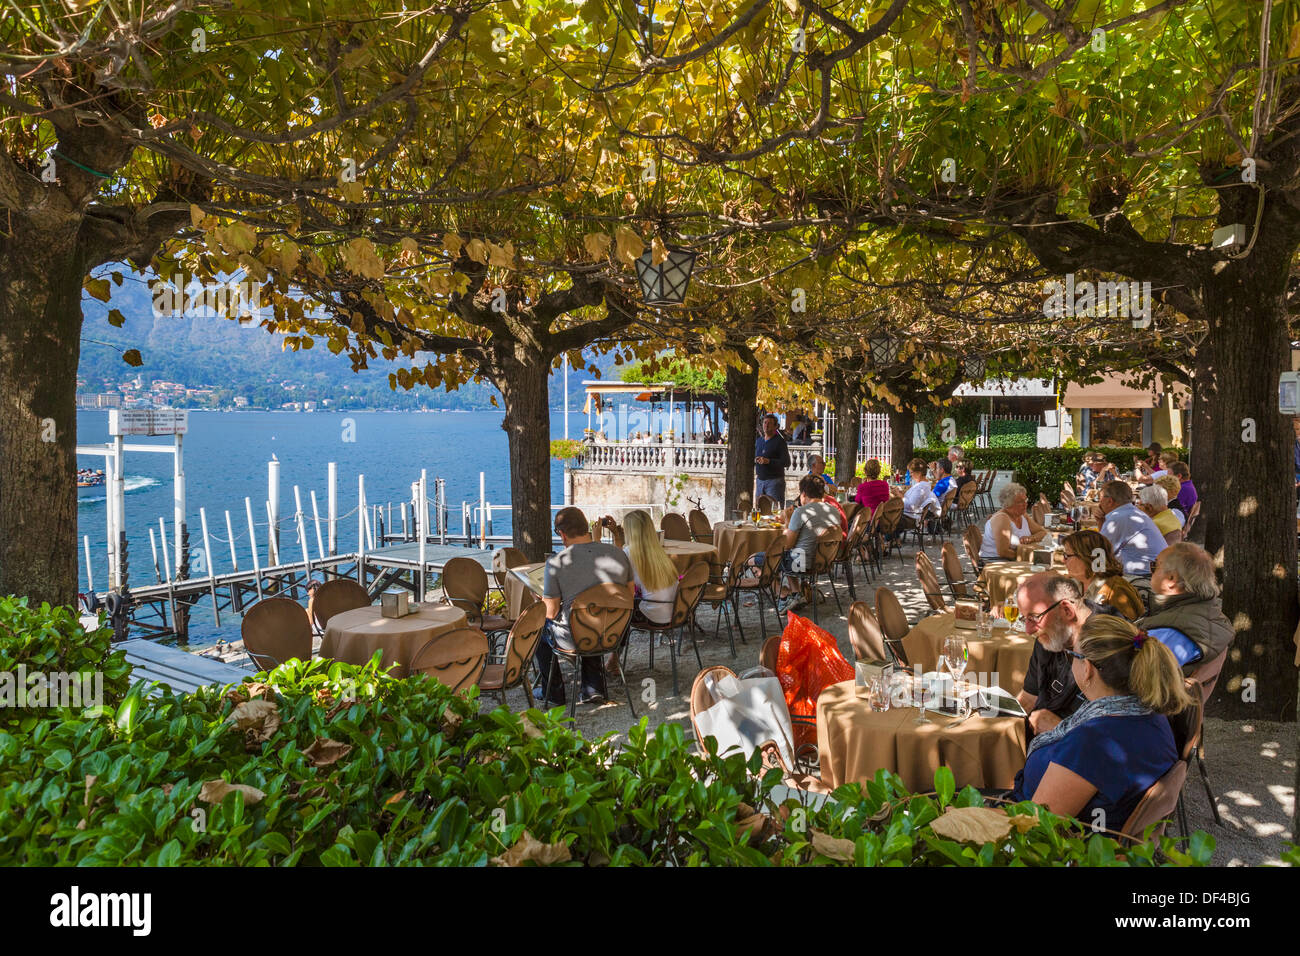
{"x": 808, "y": 522}
{"x": 582, "y": 564}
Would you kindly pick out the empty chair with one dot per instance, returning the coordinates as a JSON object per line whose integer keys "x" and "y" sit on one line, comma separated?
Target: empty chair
{"x": 455, "y": 659}
{"x": 701, "y": 527}
{"x": 689, "y": 589}
{"x": 702, "y": 700}
{"x": 335, "y": 597}
{"x": 768, "y": 652}
{"x": 503, "y": 559}
{"x": 765, "y": 504}
{"x": 1206, "y": 677}
{"x": 760, "y": 584}
{"x": 893, "y": 622}
{"x": 674, "y": 527}
{"x": 851, "y": 546}
{"x": 865, "y": 634}
{"x": 963, "y": 506}
{"x": 465, "y": 585}
{"x": 971, "y": 540}
{"x": 598, "y": 621}
{"x": 1039, "y": 510}
{"x": 276, "y": 630}
{"x": 1191, "y": 520}
{"x": 1068, "y": 497}
{"x": 823, "y": 557}
{"x": 929, "y": 583}
{"x": 512, "y": 670}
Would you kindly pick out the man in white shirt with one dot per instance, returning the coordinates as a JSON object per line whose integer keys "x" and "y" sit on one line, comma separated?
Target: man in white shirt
{"x": 1133, "y": 535}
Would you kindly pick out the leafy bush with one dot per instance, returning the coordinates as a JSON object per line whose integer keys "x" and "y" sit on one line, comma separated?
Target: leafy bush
{"x": 1041, "y": 470}
{"x": 324, "y": 763}
{"x": 51, "y": 640}
{"x": 1007, "y": 433}
{"x": 564, "y": 449}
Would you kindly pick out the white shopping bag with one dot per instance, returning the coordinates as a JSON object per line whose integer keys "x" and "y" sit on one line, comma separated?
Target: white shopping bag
{"x": 753, "y": 715}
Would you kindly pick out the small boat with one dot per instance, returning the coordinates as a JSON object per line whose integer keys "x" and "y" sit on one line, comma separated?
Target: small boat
{"x": 90, "y": 479}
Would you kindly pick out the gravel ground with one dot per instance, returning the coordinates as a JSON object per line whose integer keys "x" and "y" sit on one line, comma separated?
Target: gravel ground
{"x": 1252, "y": 766}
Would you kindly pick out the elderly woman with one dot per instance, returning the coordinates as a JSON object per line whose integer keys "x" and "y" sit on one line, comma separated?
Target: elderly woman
{"x": 1171, "y": 486}
{"x": 1011, "y": 526}
{"x": 1154, "y": 500}
{"x": 874, "y": 490}
{"x": 1097, "y": 763}
{"x": 1090, "y": 560}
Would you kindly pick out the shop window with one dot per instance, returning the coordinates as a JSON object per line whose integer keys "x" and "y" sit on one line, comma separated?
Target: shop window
{"x": 1116, "y": 426}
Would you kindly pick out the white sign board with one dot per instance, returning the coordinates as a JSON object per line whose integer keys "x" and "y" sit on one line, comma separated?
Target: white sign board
{"x": 148, "y": 421}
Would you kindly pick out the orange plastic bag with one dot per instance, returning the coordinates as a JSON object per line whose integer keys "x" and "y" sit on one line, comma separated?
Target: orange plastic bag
{"x": 807, "y": 661}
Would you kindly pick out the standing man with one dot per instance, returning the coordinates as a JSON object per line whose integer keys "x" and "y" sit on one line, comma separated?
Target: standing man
{"x": 582, "y": 564}
{"x": 771, "y": 459}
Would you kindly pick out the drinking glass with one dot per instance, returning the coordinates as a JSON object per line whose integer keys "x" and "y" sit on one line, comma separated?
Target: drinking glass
{"x": 878, "y": 694}
{"x": 983, "y": 625}
{"x": 956, "y": 655}
{"x": 1010, "y": 611}
{"x": 919, "y": 687}
{"x": 900, "y": 689}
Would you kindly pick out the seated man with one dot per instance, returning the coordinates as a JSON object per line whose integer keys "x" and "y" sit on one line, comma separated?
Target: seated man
{"x": 1053, "y": 610}
{"x": 1186, "y": 610}
{"x": 1154, "y": 502}
{"x": 944, "y": 471}
{"x": 964, "y": 477}
{"x": 919, "y": 498}
{"x": 1131, "y": 532}
{"x": 1094, "y": 469}
{"x": 817, "y": 466}
{"x": 582, "y": 564}
{"x": 807, "y": 523}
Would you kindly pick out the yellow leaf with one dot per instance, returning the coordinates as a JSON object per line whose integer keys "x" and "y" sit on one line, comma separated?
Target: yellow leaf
{"x": 196, "y": 215}
{"x": 98, "y": 289}
{"x": 658, "y": 251}
{"x": 360, "y": 258}
{"x": 597, "y": 245}
{"x": 452, "y": 244}
{"x": 629, "y": 245}
{"x": 833, "y": 847}
{"x": 502, "y": 256}
{"x": 477, "y": 250}
{"x": 214, "y": 791}
{"x": 972, "y": 825}
{"x": 531, "y": 849}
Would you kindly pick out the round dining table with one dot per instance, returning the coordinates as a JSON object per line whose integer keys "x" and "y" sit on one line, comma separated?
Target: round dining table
{"x": 1002, "y": 659}
{"x": 735, "y": 541}
{"x": 685, "y": 553}
{"x": 353, "y": 636}
{"x": 1003, "y": 578}
{"x": 854, "y": 742}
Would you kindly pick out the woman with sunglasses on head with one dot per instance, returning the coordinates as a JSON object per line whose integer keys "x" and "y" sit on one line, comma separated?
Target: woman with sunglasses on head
{"x": 1090, "y": 560}
{"x": 1097, "y": 763}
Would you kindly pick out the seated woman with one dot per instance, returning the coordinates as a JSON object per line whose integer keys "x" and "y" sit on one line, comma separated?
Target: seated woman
{"x": 1085, "y": 552}
{"x": 1172, "y": 486}
{"x": 1011, "y": 526}
{"x": 874, "y": 490}
{"x": 653, "y": 572}
{"x": 1154, "y": 500}
{"x": 1097, "y": 763}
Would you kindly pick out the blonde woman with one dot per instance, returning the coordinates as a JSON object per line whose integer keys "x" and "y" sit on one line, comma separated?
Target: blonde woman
{"x": 653, "y": 572}
{"x": 1097, "y": 763}
{"x": 1087, "y": 551}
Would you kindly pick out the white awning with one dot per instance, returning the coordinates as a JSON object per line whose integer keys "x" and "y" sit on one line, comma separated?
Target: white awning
{"x": 1008, "y": 388}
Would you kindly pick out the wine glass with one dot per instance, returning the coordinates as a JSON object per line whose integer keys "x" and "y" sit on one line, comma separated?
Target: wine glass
{"x": 1010, "y": 611}
{"x": 956, "y": 657}
{"x": 919, "y": 686}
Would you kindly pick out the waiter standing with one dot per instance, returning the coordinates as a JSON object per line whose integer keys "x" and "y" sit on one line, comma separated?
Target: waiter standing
{"x": 771, "y": 459}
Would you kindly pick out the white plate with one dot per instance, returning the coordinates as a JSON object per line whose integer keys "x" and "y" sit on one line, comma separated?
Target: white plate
{"x": 999, "y": 622}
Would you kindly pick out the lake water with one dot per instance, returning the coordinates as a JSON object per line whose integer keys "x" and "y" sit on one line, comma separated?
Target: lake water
{"x": 226, "y": 456}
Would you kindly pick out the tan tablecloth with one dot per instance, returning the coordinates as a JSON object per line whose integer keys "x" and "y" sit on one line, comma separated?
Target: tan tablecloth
{"x": 686, "y": 553}
{"x": 353, "y": 636}
{"x": 855, "y": 742}
{"x": 733, "y": 543}
{"x": 1025, "y": 553}
{"x": 518, "y": 595}
{"x": 1006, "y": 654}
{"x": 1002, "y": 578}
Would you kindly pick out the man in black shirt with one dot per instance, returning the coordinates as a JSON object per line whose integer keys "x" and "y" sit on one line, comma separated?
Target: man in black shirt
{"x": 1053, "y": 610}
{"x": 771, "y": 459}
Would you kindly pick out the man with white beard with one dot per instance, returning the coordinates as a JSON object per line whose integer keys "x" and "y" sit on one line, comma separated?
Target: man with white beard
{"x": 1053, "y": 609}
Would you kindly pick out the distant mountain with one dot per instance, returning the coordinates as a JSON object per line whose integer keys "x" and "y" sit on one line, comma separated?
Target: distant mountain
{"x": 249, "y": 361}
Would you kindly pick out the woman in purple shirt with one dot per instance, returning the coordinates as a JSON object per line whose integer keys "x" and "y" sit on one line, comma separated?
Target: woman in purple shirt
{"x": 873, "y": 490}
{"x": 1187, "y": 493}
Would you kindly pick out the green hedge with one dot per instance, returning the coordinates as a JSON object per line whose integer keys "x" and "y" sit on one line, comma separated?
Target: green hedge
{"x": 323, "y": 763}
{"x": 1040, "y": 470}
{"x": 1007, "y": 433}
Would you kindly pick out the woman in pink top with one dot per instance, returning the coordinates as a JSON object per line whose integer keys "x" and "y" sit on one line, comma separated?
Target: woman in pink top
{"x": 873, "y": 491}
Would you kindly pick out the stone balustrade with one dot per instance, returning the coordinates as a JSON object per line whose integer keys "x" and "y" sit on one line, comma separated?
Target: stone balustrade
{"x": 673, "y": 457}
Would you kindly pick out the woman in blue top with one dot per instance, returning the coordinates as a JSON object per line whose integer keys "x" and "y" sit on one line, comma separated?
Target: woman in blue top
{"x": 1097, "y": 763}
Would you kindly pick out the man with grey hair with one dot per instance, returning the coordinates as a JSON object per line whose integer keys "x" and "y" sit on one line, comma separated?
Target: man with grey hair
{"x": 1053, "y": 610}
{"x": 955, "y": 453}
{"x": 1154, "y": 501}
{"x": 1135, "y": 538}
{"x": 817, "y": 466}
{"x": 1186, "y": 610}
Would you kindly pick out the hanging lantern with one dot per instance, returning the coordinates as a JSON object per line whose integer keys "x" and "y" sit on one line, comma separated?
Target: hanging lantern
{"x": 665, "y": 283}
{"x": 976, "y": 368}
{"x": 884, "y": 349}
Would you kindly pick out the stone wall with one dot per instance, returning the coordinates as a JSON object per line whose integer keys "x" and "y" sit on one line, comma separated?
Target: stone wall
{"x": 597, "y": 492}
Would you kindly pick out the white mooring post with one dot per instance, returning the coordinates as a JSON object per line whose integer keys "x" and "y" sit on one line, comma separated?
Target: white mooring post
{"x": 162, "y": 536}
{"x": 90, "y": 577}
{"x": 273, "y": 510}
{"x": 482, "y": 510}
{"x": 302, "y": 531}
{"x": 252, "y": 542}
{"x": 153, "y": 546}
{"x": 110, "y": 520}
{"x": 422, "y": 527}
{"x": 178, "y": 497}
{"x": 315, "y": 517}
{"x": 212, "y": 572}
{"x": 230, "y": 536}
{"x": 333, "y": 506}
{"x": 361, "y": 530}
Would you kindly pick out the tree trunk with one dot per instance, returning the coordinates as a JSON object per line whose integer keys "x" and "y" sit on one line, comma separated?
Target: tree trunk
{"x": 742, "y": 425}
{"x": 848, "y": 431}
{"x": 40, "y": 346}
{"x": 527, "y": 425}
{"x": 901, "y": 426}
{"x": 1248, "y": 484}
{"x": 1202, "y": 459}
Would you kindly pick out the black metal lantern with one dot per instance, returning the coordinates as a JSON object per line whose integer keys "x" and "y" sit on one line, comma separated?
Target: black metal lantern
{"x": 976, "y": 367}
{"x": 665, "y": 283}
{"x": 884, "y": 349}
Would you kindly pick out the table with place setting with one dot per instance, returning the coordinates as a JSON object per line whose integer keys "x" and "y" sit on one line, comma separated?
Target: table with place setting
{"x": 354, "y": 636}
{"x": 1004, "y": 650}
{"x": 734, "y": 541}
{"x": 1001, "y": 579}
